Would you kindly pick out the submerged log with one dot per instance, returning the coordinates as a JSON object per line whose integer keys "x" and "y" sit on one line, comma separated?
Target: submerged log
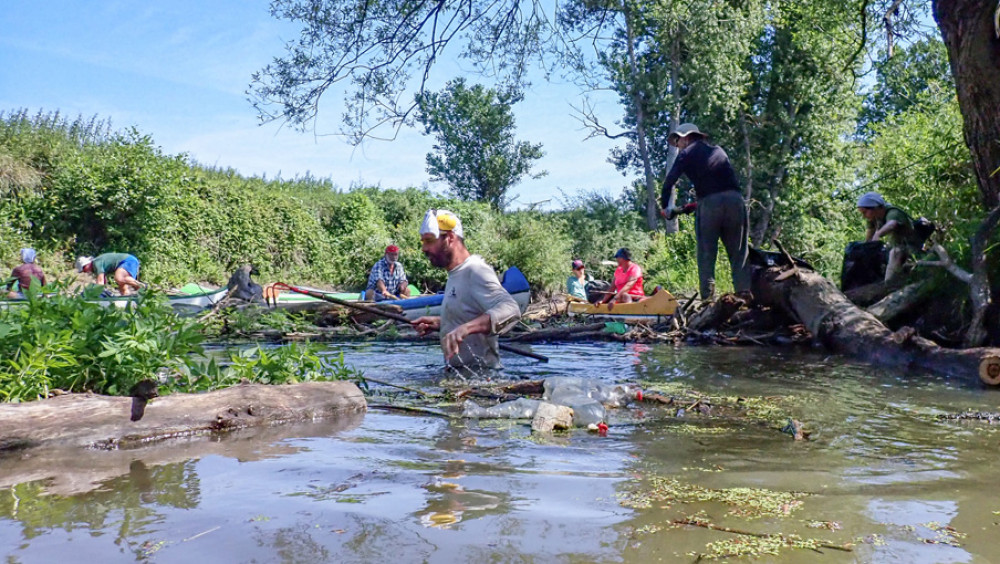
{"x": 96, "y": 421}
{"x": 844, "y": 328}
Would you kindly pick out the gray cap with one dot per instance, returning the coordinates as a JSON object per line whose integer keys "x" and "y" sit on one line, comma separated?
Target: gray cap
{"x": 683, "y": 130}
{"x": 871, "y": 200}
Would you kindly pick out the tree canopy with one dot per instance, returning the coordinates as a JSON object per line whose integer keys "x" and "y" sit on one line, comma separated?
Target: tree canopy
{"x": 475, "y": 150}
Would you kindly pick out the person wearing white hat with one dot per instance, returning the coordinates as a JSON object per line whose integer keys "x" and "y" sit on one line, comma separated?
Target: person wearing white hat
{"x": 721, "y": 212}
{"x": 25, "y": 274}
{"x": 123, "y": 268}
{"x": 476, "y": 308}
{"x": 892, "y": 224}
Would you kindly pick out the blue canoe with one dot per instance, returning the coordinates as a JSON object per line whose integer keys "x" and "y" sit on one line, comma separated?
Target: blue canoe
{"x": 513, "y": 281}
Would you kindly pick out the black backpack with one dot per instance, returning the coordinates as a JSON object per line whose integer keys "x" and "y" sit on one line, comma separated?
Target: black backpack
{"x": 923, "y": 228}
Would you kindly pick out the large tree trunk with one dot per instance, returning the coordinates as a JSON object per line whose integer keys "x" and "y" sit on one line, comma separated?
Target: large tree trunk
{"x": 844, "y": 328}
{"x": 95, "y": 421}
{"x": 967, "y": 29}
{"x": 974, "y": 52}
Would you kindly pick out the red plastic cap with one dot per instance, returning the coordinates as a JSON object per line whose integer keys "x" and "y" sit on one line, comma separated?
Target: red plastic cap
{"x": 392, "y": 249}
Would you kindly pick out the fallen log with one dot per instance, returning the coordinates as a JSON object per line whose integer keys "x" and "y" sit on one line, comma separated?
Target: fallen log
{"x": 844, "y": 328}
{"x": 715, "y": 314}
{"x": 96, "y": 421}
{"x": 555, "y": 333}
{"x": 901, "y": 301}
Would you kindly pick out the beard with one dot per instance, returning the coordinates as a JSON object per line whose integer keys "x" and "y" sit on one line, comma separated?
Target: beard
{"x": 440, "y": 257}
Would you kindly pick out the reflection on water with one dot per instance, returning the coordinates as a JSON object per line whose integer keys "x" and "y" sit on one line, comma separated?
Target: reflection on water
{"x": 399, "y": 488}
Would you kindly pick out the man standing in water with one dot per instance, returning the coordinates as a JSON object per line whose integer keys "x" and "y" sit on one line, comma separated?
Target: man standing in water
{"x": 721, "y": 211}
{"x": 476, "y": 308}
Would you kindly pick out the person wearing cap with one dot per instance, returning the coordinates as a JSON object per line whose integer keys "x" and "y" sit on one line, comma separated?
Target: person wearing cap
{"x": 387, "y": 280}
{"x": 892, "y": 224}
{"x": 476, "y": 308}
{"x": 123, "y": 268}
{"x": 627, "y": 280}
{"x": 577, "y": 282}
{"x": 25, "y": 274}
{"x": 721, "y": 212}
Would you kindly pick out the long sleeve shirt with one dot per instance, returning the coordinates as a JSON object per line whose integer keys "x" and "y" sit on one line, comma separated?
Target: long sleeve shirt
{"x": 708, "y": 168}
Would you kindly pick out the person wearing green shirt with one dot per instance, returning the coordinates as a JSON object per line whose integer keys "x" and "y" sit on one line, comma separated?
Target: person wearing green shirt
{"x": 123, "y": 268}
{"x": 577, "y": 282}
{"x": 891, "y": 224}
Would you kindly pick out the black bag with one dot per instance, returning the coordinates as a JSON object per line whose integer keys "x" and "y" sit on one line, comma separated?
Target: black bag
{"x": 864, "y": 263}
{"x": 597, "y": 290}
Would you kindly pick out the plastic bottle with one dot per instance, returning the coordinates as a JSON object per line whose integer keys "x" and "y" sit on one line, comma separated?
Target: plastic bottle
{"x": 521, "y": 408}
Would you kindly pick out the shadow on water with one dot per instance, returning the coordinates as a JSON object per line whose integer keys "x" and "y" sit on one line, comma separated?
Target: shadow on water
{"x": 879, "y": 468}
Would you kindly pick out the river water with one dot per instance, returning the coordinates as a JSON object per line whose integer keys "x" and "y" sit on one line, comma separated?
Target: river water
{"x": 879, "y": 472}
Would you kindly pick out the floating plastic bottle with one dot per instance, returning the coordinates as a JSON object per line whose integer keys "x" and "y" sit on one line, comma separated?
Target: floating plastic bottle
{"x": 521, "y": 408}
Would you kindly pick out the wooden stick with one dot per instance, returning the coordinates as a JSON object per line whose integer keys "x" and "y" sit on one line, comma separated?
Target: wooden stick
{"x": 714, "y": 527}
{"x": 400, "y": 318}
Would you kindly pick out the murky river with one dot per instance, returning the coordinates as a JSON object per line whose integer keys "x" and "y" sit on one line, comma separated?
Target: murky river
{"x": 879, "y": 472}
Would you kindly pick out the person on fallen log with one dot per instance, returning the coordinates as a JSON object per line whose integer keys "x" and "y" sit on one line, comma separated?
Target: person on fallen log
{"x": 576, "y": 284}
{"x": 476, "y": 308}
{"x": 627, "y": 281}
{"x": 721, "y": 212}
{"x": 387, "y": 280}
{"x": 892, "y": 224}
{"x": 25, "y": 274}
{"x": 123, "y": 268}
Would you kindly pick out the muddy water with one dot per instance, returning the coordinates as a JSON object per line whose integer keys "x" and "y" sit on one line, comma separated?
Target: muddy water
{"x": 879, "y": 471}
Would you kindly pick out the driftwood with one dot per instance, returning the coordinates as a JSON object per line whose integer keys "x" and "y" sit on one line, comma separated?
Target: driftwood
{"x": 555, "y": 333}
{"x": 95, "y": 421}
{"x": 901, "y": 301}
{"x": 844, "y": 328}
{"x": 715, "y": 314}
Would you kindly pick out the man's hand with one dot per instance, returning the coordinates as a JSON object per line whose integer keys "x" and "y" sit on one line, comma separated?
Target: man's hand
{"x": 426, "y": 324}
{"x": 453, "y": 340}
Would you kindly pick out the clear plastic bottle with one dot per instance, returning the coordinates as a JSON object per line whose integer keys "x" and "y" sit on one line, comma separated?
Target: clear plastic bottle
{"x": 521, "y": 408}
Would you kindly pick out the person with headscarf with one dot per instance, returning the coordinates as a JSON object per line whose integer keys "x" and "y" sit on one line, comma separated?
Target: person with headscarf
{"x": 891, "y": 224}
{"x": 721, "y": 212}
{"x": 25, "y": 274}
{"x": 123, "y": 268}
{"x": 387, "y": 280}
{"x": 476, "y": 308}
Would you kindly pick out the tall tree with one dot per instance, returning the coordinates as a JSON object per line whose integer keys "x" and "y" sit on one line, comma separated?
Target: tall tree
{"x": 970, "y": 31}
{"x": 475, "y": 152}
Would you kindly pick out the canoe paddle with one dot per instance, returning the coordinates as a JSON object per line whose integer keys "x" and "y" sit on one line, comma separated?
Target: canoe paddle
{"x": 389, "y": 315}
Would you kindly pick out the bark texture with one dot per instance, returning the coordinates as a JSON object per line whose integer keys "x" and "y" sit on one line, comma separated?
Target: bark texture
{"x": 102, "y": 422}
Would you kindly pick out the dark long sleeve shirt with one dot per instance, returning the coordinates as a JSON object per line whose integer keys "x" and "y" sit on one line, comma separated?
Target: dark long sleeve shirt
{"x": 708, "y": 168}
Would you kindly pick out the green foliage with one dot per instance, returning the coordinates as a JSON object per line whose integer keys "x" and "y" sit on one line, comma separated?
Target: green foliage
{"x": 69, "y": 343}
{"x": 476, "y": 153}
{"x": 287, "y": 364}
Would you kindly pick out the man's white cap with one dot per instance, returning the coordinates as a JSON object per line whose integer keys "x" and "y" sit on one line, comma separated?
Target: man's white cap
{"x": 436, "y": 221}
{"x": 82, "y": 262}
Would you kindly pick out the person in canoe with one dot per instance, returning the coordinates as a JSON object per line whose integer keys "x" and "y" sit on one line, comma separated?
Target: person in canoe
{"x": 387, "y": 280}
{"x": 25, "y": 274}
{"x": 627, "y": 281}
{"x": 122, "y": 267}
{"x": 476, "y": 308}
{"x": 721, "y": 212}
{"x": 576, "y": 284}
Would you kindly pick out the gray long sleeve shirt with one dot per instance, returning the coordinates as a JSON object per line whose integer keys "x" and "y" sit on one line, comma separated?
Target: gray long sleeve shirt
{"x": 472, "y": 290}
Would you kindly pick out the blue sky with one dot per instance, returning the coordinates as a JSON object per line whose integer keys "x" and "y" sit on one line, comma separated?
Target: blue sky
{"x": 178, "y": 71}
